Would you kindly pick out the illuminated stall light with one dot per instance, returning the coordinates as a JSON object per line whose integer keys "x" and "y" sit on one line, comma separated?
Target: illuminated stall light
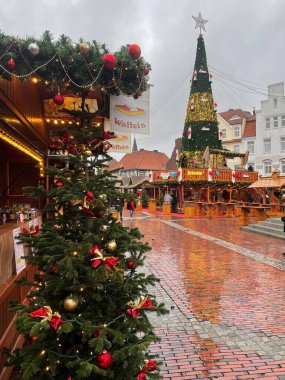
{"x": 18, "y": 145}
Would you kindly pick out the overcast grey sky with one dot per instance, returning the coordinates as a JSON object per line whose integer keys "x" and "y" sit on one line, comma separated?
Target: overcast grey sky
{"x": 243, "y": 38}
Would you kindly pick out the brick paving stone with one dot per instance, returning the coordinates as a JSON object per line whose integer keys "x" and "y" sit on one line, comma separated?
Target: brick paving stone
{"x": 227, "y": 289}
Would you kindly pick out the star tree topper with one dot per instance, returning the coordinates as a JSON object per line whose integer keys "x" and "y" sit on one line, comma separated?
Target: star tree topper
{"x": 200, "y": 22}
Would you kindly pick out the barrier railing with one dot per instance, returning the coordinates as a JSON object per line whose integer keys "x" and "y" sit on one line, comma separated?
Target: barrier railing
{"x": 9, "y": 337}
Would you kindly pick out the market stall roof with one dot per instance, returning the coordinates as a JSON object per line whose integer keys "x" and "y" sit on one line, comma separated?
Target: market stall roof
{"x": 133, "y": 181}
{"x": 269, "y": 182}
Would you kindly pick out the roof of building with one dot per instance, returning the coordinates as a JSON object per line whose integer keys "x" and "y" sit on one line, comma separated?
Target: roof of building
{"x": 269, "y": 182}
{"x": 142, "y": 160}
{"x": 250, "y": 127}
{"x": 111, "y": 164}
{"x": 132, "y": 181}
{"x": 235, "y": 116}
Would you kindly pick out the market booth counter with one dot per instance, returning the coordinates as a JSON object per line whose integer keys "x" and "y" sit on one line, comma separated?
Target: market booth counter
{"x": 13, "y": 267}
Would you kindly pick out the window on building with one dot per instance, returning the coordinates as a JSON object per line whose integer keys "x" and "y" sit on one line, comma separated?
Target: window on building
{"x": 236, "y": 148}
{"x": 275, "y": 102}
{"x": 282, "y": 164}
{"x": 283, "y": 121}
{"x": 267, "y": 123}
{"x": 282, "y": 144}
{"x": 275, "y": 122}
{"x": 236, "y": 131}
{"x": 267, "y": 146}
{"x": 267, "y": 167}
{"x": 250, "y": 147}
{"x": 224, "y": 133}
{"x": 141, "y": 172}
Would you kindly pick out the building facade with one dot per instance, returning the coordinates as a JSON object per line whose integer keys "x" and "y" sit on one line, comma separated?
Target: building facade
{"x": 231, "y": 128}
{"x": 270, "y": 132}
{"x": 249, "y": 140}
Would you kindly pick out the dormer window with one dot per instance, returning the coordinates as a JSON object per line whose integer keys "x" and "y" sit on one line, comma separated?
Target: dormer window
{"x": 235, "y": 117}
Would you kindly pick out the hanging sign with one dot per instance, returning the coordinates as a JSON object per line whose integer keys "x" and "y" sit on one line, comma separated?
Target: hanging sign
{"x": 19, "y": 251}
{"x": 122, "y": 143}
{"x": 130, "y": 115}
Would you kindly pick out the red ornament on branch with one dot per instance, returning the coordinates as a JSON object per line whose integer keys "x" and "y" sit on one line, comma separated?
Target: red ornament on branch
{"x": 109, "y": 61}
{"x": 104, "y": 360}
{"x": 11, "y": 64}
{"x": 59, "y": 184}
{"x": 130, "y": 264}
{"x": 59, "y": 100}
{"x": 134, "y": 51}
{"x": 89, "y": 196}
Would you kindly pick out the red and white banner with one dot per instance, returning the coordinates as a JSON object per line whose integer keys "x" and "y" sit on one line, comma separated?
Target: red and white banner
{"x": 130, "y": 115}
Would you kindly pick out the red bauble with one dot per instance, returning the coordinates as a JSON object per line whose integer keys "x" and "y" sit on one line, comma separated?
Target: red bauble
{"x": 109, "y": 61}
{"x": 59, "y": 184}
{"x": 11, "y": 64}
{"x": 104, "y": 360}
{"x": 130, "y": 264}
{"x": 134, "y": 51}
{"x": 146, "y": 70}
{"x": 59, "y": 100}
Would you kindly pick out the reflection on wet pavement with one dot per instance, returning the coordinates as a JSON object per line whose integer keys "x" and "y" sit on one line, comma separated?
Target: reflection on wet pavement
{"x": 229, "y": 317}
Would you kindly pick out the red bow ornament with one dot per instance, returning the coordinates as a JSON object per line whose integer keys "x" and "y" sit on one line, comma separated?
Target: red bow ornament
{"x": 87, "y": 211}
{"x": 89, "y": 196}
{"x": 148, "y": 367}
{"x": 107, "y": 261}
{"x": 134, "y": 310}
{"x": 47, "y": 315}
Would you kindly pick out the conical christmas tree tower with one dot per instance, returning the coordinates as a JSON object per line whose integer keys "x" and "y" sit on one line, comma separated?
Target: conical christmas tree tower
{"x": 201, "y": 124}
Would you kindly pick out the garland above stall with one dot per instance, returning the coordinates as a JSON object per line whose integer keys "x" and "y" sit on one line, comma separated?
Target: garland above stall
{"x": 63, "y": 66}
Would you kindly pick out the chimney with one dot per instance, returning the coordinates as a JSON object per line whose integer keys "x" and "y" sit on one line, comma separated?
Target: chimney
{"x": 155, "y": 150}
{"x": 253, "y": 112}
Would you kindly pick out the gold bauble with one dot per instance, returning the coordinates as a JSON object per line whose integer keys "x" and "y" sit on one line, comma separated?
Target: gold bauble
{"x": 111, "y": 246}
{"x": 103, "y": 228}
{"x": 103, "y": 197}
{"x": 88, "y": 153}
{"x": 74, "y": 253}
{"x": 84, "y": 48}
{"x": 70, "y": 303}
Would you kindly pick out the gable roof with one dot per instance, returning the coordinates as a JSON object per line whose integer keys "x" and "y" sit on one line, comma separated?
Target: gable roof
{"x": 142, "y": 160}
{"x": 235, "y": 116}
{"x": 250, "y": 127}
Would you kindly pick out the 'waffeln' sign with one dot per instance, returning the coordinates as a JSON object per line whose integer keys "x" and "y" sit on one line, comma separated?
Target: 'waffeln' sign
{"x": 130, "y": 115}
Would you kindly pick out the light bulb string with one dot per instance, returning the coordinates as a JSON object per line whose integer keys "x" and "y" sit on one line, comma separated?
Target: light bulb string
{"x": 118, "y": 87}
{"x": 76, "y": 84}
{"x": 31, "y": 72}
{"x": 7, "y": 50}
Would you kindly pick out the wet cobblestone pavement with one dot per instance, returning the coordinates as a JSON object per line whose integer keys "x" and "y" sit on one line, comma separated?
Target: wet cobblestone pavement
{"x": 225, "y": 289}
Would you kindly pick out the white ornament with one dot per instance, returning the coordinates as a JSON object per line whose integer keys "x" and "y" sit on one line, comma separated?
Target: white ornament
{"x": 189, "y": 133}
{"x": 192, "y": 104}
{"x": 194, "y": 76}
{"x": 205, "y": 129}
{"x": 34, "y": 49}
{"x": 204, "y": 99}
{"x": 200, "y": 22}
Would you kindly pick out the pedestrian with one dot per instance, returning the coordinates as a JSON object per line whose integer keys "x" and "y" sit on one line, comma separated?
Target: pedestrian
{"x": 120, "y": 203}
{"x": 131, "y": 206}
{"x": 173, "y": 203}
{"x": 283, "y": 202}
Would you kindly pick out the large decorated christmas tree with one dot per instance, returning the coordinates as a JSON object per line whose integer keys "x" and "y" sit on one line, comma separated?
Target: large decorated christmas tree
{"x": 86, "y": 316}
{"x": 201, "y": 124}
